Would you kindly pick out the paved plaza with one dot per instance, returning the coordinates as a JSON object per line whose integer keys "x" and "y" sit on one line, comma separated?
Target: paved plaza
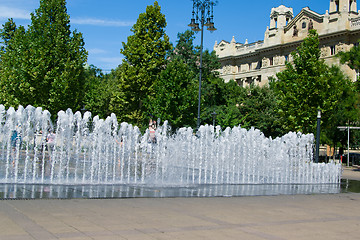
{"x": 323, "y": 216}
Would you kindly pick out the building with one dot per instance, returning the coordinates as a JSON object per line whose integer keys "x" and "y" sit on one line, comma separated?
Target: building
{"x": 253, "y": 63}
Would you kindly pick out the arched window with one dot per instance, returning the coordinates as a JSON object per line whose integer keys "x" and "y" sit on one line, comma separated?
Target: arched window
{"x": 304, "y": 24}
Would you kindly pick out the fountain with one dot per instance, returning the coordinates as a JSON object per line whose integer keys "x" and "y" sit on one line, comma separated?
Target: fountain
{"x": 95, "y": 151}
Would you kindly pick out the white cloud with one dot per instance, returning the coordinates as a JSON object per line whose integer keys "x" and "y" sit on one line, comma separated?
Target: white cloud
{"x": 101, "y": 22}
{"x": 96, "y": 51}
{"x": 16, "y": 13}
{"x": 116, "y": 60}
{"x": 106, "y": 63}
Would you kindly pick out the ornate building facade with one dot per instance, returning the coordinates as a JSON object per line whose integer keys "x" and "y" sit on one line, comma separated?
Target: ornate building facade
{"x": 253, "y": 63}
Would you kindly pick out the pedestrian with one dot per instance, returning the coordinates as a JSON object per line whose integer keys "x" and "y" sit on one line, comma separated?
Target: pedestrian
{"x": 50, "y": 142}
{"x": 152, "y": 129}
{"x": 15, "y": 141}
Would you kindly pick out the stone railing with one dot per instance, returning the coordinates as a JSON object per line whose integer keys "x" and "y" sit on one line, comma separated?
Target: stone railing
{"x": 355, "y": 22}
{"x": 249, "y": 47}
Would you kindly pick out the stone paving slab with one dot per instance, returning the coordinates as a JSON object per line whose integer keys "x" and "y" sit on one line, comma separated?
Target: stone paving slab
{"x": 332, "y": 216}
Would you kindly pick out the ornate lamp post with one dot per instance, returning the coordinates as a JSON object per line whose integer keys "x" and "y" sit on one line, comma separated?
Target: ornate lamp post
{"x": 202, "y": 9}
{"x": 318, "y": 136}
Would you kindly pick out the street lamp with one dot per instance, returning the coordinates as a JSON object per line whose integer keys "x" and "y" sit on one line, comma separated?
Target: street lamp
{"x": 318, "y": 136}
{"x": 202, "y": 9}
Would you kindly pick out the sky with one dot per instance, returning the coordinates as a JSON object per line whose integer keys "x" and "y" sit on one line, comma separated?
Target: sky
{"x": 106, "y": 24}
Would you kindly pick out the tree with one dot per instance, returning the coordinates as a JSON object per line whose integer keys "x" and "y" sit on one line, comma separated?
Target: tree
{"x": 144, "y": 59}
{"x": 252, "y": 106}
{"x": 98, "y": 90}
{"x": 182, "y": 76}
{"x": 176, "y": 95}
{"x": 12, "y": 72}
{"x": 351, "y": 58}
{"x": 308, "y": 84}
{"x": 44, "y": 65}
{"x": 7, "y": 32}
{"x": 186, "y": 50}
{"x": 212, "y": 86}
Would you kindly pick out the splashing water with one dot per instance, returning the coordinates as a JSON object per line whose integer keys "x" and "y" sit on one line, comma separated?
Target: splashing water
{"x": 98, "y": 151}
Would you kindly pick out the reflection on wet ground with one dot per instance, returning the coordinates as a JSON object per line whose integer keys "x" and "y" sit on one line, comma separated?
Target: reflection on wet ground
{"x": 350, "y": 186}
{"x": 41, "y": 191}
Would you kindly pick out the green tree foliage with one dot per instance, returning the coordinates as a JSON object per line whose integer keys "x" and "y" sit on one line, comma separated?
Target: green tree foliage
{"x": 308, "y": 84}
{"x": 7, "y": 32}
{"x": 144, "y": 59}
{"x": 98, "y": 91}
{"x": 44, "y": 65}
{"x": 176, "y": 89}
{"x": 251, "y": 106}
{"x": 12, "y": 74}
{"x": 212, "y": 86}
{"x": 186, "y": 50}
{"x": 176, "y": 95}
{"x": 351, "y": 58}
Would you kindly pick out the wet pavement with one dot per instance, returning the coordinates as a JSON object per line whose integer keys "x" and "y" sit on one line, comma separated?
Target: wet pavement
{"x": 33, "y": 191}
{"x": 349, "y": 183}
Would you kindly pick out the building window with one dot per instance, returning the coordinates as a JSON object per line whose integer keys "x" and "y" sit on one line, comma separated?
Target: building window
{"x": 250, "y": 67}
{"x": 259, "y": 65}
{"x": 332, "y": 50}
{"x": 304, "y": 25}
{"x": 271, "y": 61}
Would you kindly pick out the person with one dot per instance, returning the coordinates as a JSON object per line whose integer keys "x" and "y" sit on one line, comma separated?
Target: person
{"x": 15, "y": 141}
{"x": 121, "y": 141}
{"x": 121, "y": 144}
{"x": 14, "y": 138}
{"x": 152, "y": 128}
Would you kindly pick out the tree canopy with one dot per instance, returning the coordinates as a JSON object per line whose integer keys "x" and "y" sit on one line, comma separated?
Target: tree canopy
{"x": 351, "y": 58}
{"x": 307, "y": 85}
{"x": 43, "y": 65}
{"x": 144, "y": 58}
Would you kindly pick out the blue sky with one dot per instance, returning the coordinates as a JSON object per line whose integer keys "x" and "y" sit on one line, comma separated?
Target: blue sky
{"x": 106, "y": 24}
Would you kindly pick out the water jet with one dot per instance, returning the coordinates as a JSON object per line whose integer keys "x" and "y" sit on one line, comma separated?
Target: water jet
{"x": 93, "y": 151}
